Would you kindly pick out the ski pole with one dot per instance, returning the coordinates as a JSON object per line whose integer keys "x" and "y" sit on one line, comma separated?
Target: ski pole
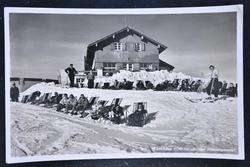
{"x": 212, "y": 85}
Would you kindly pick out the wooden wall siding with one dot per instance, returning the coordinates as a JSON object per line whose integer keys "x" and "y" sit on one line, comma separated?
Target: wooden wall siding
{"x": 150, "y": 55}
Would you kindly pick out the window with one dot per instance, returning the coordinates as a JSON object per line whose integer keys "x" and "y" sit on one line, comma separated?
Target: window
{"x": 119, "y": 46}
{"x": 145, "y": 66}
{"x": 124, "y": 66}
{"x": 109, "y": 66}
{"x": 139, "y": 47}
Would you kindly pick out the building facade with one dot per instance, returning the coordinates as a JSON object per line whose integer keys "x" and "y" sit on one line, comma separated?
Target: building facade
{"x": 126, "y": 49}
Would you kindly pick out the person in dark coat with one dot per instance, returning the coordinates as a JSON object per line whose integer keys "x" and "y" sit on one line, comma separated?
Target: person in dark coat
{"x": 81, "y": 105}
{"x": 174, "y": 84}
{"x": 117, "y": 114}
{"x": 213, "y": 86}
{"x": 223, "y": 88}
{"x": 231, "y": 91}
{"x": 91, "y": 79}
{"x": 149, "y": 85}
{"x": 140, "y": 85}
{"x": 14, "y": 93}
{"x": 62, "y": 104}
{"x": 53, "y": 100}
{"x": 71, "y": 71}
{"x": 184, "y": 85}
{"x": 117, "y": 85}
{"x": 196, "y": 85}
{"x": 33, "y": 97}
{"x": 138, "y": 118}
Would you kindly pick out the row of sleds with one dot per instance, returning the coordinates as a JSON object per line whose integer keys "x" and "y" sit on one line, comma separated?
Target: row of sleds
{"x": 100, "y": 110}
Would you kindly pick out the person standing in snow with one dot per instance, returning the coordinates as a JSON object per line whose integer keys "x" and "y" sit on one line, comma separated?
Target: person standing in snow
{"x": 223, "y": 88}
{"x": 14, "y": 93}
{"x": 213, "y": 86}
{"x": 71, "y": 71}
{"x": 91, "y": 79}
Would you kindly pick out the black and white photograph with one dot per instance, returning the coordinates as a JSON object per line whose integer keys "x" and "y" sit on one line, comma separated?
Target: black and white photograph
{"x": 124, "y": 83}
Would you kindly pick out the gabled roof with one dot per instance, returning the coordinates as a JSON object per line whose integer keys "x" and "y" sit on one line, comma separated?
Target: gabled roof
{"x": 128, "y": 29}
{"x": 165, "y": 65}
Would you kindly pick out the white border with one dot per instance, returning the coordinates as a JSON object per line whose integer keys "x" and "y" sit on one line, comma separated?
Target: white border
{"x": 187, "y": 10}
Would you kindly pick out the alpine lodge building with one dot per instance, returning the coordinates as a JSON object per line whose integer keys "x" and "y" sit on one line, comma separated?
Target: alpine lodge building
{"x": 126, "y": 49}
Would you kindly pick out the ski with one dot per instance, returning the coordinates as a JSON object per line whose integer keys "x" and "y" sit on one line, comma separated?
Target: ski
{"x": 207, "y": 100}
{"x": 193, "y": 100}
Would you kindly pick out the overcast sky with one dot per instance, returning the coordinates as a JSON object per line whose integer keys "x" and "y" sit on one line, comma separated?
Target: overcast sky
{"x": 43, "y": 43}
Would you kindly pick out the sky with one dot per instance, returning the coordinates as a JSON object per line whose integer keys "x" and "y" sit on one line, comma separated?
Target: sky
{"x": 41, "y": 44}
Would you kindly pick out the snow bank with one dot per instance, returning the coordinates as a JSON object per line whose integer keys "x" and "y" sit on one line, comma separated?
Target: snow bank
{"x": 180, "y": 126}
{"x": 154, "y": 77}
{"x": 169, "y": 104}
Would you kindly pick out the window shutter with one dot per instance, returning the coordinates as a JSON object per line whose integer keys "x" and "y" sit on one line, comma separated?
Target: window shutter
{"x": 113, "y": 46}
{"x": 142, "y": 46}
{"x": 136, "y": 46}
{"x": 124, "y": 46}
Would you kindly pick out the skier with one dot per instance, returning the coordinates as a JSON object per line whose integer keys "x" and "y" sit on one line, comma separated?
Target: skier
{"x": 71, "y": 71}
{"x": 213, "y": 86}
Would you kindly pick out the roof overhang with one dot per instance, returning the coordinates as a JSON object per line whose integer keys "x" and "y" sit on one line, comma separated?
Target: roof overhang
{"x": 124, "y": 32}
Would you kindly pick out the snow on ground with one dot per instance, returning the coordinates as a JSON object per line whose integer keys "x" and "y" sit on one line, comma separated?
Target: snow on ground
{"x": 180, "y": 126}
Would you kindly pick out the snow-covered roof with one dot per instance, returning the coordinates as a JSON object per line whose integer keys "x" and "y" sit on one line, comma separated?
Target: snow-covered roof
{"x": 129, "y": 30}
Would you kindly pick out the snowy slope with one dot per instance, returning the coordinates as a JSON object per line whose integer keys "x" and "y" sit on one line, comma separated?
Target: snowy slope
{"x": 180, "y": 126}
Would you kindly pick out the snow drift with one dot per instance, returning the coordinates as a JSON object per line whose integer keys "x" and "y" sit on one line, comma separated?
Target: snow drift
{"x": 180, "y": 126}
{"x": 154, "y": 77}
